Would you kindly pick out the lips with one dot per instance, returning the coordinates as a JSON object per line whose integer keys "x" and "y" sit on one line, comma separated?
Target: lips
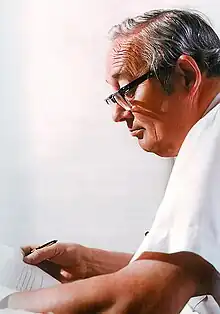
{"x": 137, "y": 132}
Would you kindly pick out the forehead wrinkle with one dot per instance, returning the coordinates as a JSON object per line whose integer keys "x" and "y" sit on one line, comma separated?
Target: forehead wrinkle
{"x": 126, "y": 56}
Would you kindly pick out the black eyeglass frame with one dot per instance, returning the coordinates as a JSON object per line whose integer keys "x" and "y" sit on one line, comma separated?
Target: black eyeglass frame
{"x": 124, "y": 89}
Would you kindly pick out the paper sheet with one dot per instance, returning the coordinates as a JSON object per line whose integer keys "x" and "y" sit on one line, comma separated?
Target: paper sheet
{"x": 19, "y": 276}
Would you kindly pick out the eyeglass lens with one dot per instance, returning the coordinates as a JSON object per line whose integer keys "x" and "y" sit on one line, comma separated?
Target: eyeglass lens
{"x": 117, "y": 98}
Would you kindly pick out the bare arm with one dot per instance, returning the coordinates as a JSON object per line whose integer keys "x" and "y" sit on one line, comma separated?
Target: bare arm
{"x": 69, "y": 261}
{"x": 144, "y": 286}
{"x": 159, "y": 283}
{"x": 100, "y": 262}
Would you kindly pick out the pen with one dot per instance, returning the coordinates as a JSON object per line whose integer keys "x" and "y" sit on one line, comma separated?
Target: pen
{"x": 44, "y": 245}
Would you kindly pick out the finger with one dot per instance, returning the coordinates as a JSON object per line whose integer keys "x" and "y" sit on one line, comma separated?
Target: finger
{"x": 27, "y": 249}
{"x": 65, "y": 276}
{"x": 39, "y": 255}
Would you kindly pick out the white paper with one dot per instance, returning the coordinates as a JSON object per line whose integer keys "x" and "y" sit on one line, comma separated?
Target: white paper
{"x": 19, "y": 276}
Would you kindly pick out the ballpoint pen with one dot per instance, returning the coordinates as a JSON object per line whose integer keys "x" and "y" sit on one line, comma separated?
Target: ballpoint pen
{"x": 44, "y": 245}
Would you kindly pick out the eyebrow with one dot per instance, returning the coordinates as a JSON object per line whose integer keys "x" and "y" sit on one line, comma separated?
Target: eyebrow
{"x": 121, "y": 75}
{"x": 116, "y": 76}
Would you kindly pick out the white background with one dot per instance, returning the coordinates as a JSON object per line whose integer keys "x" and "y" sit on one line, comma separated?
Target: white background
{"x": 66, "y": 170}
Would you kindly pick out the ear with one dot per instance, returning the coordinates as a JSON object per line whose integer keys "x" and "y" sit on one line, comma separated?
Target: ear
{"x": 189, "y": 69}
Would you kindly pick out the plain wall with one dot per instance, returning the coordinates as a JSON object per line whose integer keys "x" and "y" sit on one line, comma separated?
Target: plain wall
{"x": 66, "y": 170}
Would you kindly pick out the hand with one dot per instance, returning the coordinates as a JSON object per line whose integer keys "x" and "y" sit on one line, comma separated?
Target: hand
{"x": 143, "y": 287}
{"x": 66, "y": 262}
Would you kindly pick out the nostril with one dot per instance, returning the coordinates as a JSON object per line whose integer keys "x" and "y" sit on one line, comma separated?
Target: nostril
{"x": 124, "y": 117}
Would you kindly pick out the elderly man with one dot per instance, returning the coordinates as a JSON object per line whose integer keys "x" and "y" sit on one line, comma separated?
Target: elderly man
{"x": 164, "y": 68}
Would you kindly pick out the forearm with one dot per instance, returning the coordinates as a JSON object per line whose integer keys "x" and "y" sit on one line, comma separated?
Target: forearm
{"x": 89, "y": 295}
{"x": 101, "y": 262}
{"x": 142, "y": 287}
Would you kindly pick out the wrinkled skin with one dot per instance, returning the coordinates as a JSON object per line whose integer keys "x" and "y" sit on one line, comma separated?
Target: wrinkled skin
{"x": 128, "y": 291}
{"x": 163, "y": 120}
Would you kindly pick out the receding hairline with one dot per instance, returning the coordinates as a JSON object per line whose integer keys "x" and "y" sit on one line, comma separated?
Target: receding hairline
{"x": 133, "y": 25}
{"x": 133, "y": 63}
{"x": 167, "y": 34}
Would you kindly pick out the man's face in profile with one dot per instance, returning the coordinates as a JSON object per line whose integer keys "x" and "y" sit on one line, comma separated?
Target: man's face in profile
{"x": 160, "y": 121}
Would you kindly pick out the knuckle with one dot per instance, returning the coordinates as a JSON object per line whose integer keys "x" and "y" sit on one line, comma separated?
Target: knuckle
{"x": 55, "y": 250}
{"x": 36, "y": 255}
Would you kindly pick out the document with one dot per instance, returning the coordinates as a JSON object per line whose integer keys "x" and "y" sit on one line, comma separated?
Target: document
{"x": 15, "y": 275}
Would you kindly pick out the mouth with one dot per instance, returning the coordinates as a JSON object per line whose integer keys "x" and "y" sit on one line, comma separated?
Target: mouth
{"x": 137, "y": 132}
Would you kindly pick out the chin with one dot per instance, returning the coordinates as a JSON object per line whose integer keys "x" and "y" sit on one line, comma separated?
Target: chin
{"x": 146, "y": 146}
{"x": 157, "y": 149}
{"x": 152, "y": 147}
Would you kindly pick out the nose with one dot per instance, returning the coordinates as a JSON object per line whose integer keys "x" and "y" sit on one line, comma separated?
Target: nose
{"x": 119, "y": 114}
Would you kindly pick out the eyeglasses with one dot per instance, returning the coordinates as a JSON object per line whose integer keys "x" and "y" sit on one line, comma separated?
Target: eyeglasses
{"x": 123, "y": 96}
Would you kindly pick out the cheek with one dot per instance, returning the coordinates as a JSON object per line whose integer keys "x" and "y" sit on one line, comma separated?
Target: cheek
{"x": 141, "y": 120}
{"x": 150, "y": 99}
{"x": 142, "y": 95}
{"x": 164, "y": 106}
{"x": 156, "y": 128}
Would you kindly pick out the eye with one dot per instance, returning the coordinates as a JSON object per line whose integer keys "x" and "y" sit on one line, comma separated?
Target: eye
{"x": 131, "y": 93}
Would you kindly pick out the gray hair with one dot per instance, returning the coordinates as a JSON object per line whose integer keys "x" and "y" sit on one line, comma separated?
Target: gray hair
{"x": 165, "y": 35}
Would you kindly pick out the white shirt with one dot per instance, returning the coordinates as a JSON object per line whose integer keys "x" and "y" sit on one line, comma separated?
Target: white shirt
{"x": 188, "y": 218}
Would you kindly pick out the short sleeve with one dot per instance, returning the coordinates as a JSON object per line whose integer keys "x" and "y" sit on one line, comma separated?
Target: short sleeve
{"x": 188, "y": 218}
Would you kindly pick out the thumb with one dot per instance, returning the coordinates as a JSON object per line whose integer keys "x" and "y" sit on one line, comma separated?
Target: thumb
{"x": 39, "y": 255}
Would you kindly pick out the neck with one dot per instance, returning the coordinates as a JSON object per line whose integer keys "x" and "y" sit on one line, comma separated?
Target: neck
{"x": 209, "y": 89}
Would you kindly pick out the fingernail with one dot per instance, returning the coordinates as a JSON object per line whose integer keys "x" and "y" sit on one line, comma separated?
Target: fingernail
{"x": 29, "y": 258}
{"x": 26, "y": 258}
